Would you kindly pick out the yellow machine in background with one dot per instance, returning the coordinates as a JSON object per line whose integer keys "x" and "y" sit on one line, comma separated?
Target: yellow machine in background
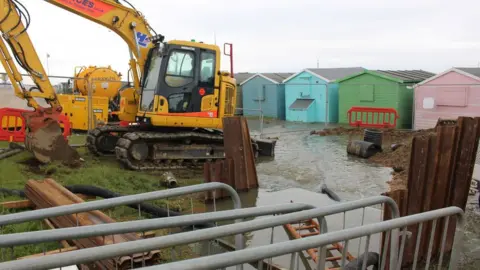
{"x": 104, "y": 83}
{"x": 76, "y": 107}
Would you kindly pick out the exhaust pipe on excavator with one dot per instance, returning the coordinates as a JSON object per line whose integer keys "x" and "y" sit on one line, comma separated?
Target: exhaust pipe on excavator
{"x": 45, "y": 140}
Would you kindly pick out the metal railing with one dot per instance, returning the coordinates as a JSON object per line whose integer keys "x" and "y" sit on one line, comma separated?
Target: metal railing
{"x": 321, "y": 241}
{"x": 38, "y": 215}
{"x": 209, "y": 234}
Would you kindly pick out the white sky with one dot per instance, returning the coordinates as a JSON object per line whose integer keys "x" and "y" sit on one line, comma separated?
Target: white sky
{"x": 279, "y": 35}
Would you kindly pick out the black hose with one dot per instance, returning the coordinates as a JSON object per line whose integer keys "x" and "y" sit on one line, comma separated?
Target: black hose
{"x": 107, "y": 194}
{"x": 332, "y": 195}
{"x": 13, "y": 192}
{"x": 155, "y": 211}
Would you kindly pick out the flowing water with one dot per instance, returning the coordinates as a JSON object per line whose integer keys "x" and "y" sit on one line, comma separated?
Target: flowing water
{"x": 305, "y": 162}
{"x": 308, "y": 161}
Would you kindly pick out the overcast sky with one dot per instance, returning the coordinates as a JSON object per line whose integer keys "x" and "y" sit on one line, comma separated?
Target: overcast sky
{"x": 280, "y": 35}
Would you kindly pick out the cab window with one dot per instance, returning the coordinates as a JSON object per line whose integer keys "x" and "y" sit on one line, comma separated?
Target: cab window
{"x": 180, "y": 68}
{"x": 207, "y": 68}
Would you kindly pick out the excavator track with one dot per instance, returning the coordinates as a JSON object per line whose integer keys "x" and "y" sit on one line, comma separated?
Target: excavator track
{"x": 144, "y": 150}
{"x": 101, "y": 141}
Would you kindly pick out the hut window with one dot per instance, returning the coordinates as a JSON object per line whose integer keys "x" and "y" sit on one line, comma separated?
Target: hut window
{"x": 452, "y": 96}
{"x": 366, "y": 93}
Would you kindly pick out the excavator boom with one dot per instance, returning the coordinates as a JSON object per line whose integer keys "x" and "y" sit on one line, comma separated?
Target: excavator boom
{"x": 44, "y": 139}
{"x": 126, "y": 22}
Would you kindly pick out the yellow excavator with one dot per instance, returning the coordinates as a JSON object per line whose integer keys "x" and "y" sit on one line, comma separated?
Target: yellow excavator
{"x": 178, "y": 99}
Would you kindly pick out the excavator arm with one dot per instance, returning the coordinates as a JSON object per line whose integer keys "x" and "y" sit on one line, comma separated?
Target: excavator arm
{"x": 44, "y": 138}
{"x": 127, "y": 22}
{"x": 14, "y": 33}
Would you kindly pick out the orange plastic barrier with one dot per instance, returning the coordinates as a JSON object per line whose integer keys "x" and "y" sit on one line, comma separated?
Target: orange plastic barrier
{"x": 13, "y": 129}
{"x": 373, "y": 117}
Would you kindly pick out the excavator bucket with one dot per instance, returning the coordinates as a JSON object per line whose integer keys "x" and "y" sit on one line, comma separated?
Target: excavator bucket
{"x": 45, "y": 138}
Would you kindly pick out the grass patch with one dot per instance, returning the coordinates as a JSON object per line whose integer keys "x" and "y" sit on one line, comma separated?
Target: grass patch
{"x": 104, "y": 172}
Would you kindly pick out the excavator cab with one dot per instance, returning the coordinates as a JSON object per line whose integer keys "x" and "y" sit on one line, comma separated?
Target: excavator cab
{"x": 184, "y": 87}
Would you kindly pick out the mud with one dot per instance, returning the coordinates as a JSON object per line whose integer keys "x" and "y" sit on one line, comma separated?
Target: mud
{"x": 36, "y": 167}
{"x": 397, "y": 145}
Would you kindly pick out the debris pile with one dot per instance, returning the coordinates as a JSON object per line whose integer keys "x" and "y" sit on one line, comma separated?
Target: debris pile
{"x": 397, "y": 146}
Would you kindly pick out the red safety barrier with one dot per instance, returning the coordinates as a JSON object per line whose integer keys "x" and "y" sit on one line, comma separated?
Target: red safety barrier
{"x": 13, "y": 129}
{"x": 373, "y": 117}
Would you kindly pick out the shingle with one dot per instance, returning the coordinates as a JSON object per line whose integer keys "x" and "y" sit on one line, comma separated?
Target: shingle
{"x": 278, "y": 77}
{"x": 301, "y": 104}
{"x": 408, "y": 75}
{"x": 243, "y": 76}
{"x": 473, "y": 71}
{"x": 332, "y": 74}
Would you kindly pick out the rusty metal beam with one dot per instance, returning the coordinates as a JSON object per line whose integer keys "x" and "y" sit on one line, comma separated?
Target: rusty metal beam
{"x": 48, "y": 193}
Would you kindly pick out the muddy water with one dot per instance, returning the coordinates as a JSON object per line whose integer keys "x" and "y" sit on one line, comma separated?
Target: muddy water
{"x": 303, "y": 163}
{"x": 307, "y": 162}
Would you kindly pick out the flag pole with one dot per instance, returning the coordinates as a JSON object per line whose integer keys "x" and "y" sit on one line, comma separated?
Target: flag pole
{"x": 48, "y": 68}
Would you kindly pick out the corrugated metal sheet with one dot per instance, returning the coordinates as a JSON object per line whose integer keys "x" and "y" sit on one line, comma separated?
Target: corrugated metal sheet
{"x": 242, "y": 76}
{"x": 278, "y": 77}
{"x": 336, "y": 73}
{"x": 473, "y": 71}
{"x": 413, "y": 76}
{"x": 301, "y": 104}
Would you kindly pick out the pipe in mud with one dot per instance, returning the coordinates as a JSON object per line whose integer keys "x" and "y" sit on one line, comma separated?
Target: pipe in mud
{"x": 332, "y": 195}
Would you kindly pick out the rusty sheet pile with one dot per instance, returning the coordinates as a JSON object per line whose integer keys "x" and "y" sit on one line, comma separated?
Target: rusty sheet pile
{"x": 238, "y": 168}
{"x": 440, "y": 175}
{"x": 48, "y": 193}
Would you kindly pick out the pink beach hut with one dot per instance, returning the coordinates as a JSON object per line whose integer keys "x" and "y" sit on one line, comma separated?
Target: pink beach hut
{"x": 448, "y": 95}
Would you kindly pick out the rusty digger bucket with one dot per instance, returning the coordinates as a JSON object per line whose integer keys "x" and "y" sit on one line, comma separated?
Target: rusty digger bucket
{"x": 44, "y": 138}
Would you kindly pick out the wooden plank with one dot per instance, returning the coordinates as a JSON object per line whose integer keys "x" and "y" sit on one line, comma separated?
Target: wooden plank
{"x": 49, "y": 224}
{"x": 48, "y": 253}
{"x": 48, "y": 193}
{"x": 17, "y": 204}
{"x": 24, "y": 204}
